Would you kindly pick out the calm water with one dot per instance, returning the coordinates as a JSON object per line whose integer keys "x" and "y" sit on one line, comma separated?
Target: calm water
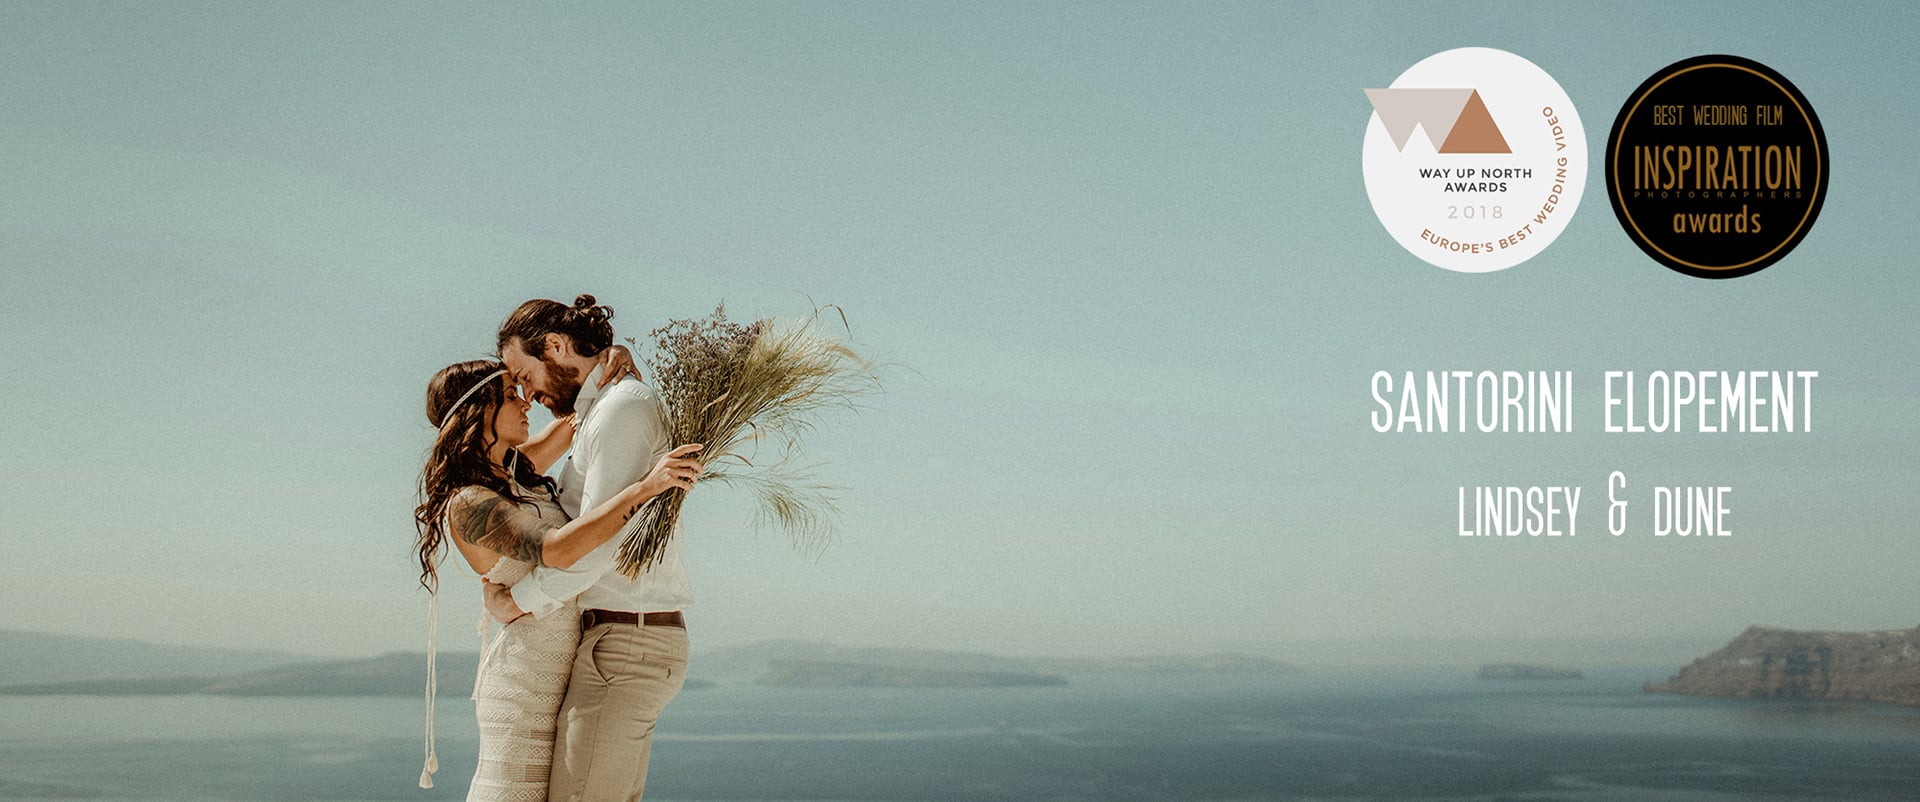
{"x": 1321, "y": 734}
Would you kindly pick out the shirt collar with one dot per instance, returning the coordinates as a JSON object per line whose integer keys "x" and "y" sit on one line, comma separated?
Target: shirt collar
{"x": 589, "y": 393}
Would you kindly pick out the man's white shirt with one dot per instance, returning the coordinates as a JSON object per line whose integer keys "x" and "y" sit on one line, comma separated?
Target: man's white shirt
{"x": 620, "y": 435}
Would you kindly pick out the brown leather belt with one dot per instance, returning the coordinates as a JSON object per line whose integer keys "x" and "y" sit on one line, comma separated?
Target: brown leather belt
{"x": 592, "y": 618}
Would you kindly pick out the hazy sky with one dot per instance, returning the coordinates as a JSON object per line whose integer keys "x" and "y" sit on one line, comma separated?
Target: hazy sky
{"x": 1121, "y": 255}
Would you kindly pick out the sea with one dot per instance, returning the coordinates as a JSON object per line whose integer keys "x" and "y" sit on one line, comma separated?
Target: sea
{"x": 1316, "y": 734}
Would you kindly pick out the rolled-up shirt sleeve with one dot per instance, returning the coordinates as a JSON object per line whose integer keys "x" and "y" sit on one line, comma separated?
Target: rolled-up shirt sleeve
{"x": 619, "y": 442}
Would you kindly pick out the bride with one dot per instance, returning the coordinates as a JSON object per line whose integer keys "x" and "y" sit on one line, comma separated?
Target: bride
{"x": 483, "y": 486}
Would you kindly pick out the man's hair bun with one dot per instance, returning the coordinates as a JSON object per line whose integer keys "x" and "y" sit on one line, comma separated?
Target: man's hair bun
{"x": 595, "y": 312}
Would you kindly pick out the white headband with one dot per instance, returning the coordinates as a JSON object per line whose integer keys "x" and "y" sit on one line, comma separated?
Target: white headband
{"x": 468, "y": 394}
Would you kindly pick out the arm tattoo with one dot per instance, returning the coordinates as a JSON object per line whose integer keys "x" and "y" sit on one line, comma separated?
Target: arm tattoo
{"x": 490, "y": 521}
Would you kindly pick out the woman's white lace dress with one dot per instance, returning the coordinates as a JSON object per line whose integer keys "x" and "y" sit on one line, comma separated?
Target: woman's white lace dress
{"x": 517, "y": 695}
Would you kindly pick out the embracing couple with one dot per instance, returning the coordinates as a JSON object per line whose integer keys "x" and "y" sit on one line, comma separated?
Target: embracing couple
{"x": 568, "y": 694}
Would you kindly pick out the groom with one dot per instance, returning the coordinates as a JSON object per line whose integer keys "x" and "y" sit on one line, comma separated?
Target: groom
{"x": 633, "y": 643}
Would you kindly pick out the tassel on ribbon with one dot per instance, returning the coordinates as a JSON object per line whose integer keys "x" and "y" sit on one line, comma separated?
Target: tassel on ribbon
{"x": 432, "y": 762}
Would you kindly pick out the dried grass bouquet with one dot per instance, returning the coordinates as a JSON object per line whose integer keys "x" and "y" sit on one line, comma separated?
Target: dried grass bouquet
{"x": 731, "y": 386}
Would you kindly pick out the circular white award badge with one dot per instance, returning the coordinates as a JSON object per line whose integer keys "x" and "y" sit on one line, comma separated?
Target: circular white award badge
{"x": 1474, "y": 159}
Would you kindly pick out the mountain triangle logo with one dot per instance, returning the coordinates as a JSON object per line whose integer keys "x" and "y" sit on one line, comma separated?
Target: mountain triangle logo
{"x": 1456, "y": 119}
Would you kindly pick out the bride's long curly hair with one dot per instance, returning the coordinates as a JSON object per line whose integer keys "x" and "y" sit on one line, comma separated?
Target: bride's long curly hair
{"x": 459, "y": 455}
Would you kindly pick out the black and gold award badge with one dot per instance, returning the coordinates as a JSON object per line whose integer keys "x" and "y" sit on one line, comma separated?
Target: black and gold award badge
{"x": 1717, "y": 166}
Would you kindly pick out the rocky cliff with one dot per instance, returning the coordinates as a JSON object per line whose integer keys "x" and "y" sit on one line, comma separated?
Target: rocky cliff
{"x": 1769, "y": 663}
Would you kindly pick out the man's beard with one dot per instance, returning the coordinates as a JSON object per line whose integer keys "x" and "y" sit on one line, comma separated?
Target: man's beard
{"x": 564, "y": 383}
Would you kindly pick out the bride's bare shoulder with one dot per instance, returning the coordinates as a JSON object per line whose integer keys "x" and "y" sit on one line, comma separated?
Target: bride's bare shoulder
{"x": 484, "y": 518}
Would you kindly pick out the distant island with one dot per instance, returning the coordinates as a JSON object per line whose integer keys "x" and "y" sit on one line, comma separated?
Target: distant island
{"x": 1524, "y": 671}
{"x": 789, "y": 662}
{"x": 808, "y": 674}
{"x": 1215, "y": 663}
{"x": 43, "y": 657}
{"x": 391, "y": 674}
{"x": 809, "y": 664}
{"x": 766, "y": 663}
{"x": 1771, "y": 663}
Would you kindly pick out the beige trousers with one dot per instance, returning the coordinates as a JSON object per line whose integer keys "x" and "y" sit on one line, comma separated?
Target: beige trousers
{"x": 623, "y": 676}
